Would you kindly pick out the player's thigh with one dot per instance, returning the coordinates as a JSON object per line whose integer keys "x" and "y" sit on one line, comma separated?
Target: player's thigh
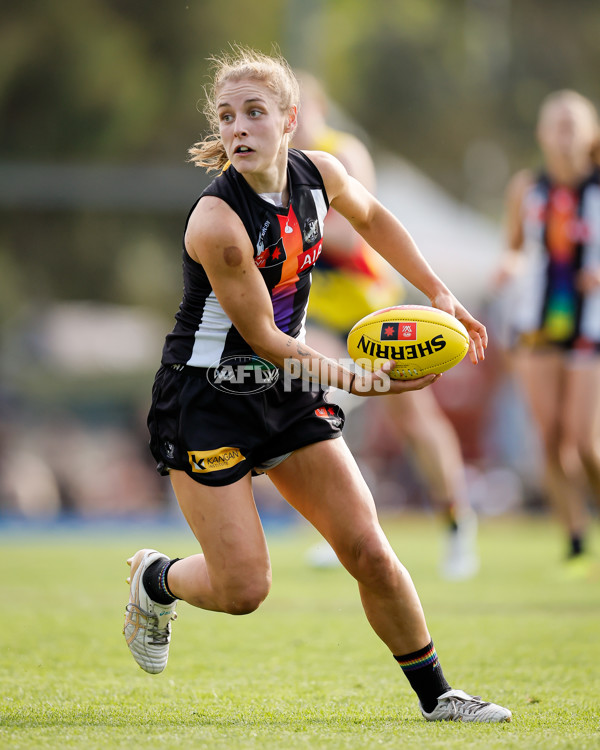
{"x": 541, "y": 375}
{"x": 581, "y": 402}
{"x": 226, "y": 523}
{"x": 323, "y": 482}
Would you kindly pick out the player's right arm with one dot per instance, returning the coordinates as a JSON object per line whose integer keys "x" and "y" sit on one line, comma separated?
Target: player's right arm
{"x": 217, "y": 239}
{"x": 512, "y": 258}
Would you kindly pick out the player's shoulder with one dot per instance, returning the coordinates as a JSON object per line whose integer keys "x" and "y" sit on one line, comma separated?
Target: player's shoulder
{"x": 212, "y": 216}
{"x": 213, "y": 223}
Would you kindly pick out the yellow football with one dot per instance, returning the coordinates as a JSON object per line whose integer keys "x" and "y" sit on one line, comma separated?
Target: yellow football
{"x": 419, "y": 339}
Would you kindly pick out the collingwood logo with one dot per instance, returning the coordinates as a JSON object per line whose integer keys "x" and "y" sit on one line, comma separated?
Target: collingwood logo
{"x": 310, "y": 231}
{"x": 222, "y": 458}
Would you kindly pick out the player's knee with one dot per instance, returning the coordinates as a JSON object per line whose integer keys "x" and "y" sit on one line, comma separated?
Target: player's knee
{"x": 246, "y": 598}
{"x": 374, "y": 562}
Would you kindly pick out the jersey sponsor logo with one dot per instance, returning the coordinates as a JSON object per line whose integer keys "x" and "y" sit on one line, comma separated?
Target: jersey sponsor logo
{"x": 401, "y": 352}
{"x": 404, "y": 331}
{"x": 203, "y": 462}
{"x": 325, "y": 412}
{"x": 242, "y": 375}
{"x": 309, "y": 257}
{"x": 261, "y": 236}
{"x": 272, "y": 255}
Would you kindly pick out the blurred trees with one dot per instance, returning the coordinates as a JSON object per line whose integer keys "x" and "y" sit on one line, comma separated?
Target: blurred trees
{"x": 120, "y": 79}
{"x": 113, "y": 79}
{"x": 451, "y": 84}
{"x": 453, "y": 87}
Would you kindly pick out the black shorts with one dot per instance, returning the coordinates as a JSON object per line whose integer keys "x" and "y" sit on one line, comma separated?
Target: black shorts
{"x": 218, "y": 437}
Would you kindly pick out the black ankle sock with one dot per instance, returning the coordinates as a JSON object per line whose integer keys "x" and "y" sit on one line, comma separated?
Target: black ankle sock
{"x": 155, "y": 581}
{"x": 575, "y": 545}
{"x": 451, "y": 518}
{"x": 424, "y": 672}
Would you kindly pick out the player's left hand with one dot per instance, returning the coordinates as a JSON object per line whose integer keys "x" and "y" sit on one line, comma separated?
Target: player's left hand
{"x": 476, "y": 330}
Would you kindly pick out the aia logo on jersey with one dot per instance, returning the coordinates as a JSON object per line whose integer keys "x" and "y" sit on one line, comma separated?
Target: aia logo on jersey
{"x": 308, "y": 258}
{"x": 273, "y": 255}
{"x": 405, "y": 331}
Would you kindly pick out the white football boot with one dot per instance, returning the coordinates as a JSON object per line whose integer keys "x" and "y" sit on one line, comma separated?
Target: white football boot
{"x": 147, "y": 628}
{"x": 456, "y": 705}
{"x": 461, "y": 561}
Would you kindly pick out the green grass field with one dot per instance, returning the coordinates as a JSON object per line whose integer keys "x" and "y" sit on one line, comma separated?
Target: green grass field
{"x": 305, "y": 671}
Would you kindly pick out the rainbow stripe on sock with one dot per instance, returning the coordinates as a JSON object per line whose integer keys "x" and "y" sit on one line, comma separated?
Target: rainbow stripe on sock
{"x": 162, "y": 579}
{"x": 418, "y": 659}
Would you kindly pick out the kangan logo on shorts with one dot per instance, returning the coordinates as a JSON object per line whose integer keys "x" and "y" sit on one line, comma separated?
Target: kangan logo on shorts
{"x": 242, "y": 375}
{"x": 222, "y": 458}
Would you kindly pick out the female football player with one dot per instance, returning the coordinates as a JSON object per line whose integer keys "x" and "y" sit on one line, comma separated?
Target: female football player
{"x": 251, "y": 240}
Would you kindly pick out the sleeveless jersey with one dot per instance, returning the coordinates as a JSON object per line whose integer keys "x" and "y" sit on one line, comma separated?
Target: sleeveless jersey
{"x": 561, "y": 229}
{"x": 287, "y": 241}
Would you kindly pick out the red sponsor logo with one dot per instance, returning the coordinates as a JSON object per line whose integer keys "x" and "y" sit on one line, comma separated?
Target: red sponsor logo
{"x": 274, "y": 255}
{"x": 399, "y": 331}
{"x": 408, "y": 331}
{"x": 308, "y": 258}
{"x": 323, "y": 412}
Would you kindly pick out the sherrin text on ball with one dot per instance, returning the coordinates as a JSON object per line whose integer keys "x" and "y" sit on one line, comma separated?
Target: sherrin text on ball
{"x": 419, "y": 339}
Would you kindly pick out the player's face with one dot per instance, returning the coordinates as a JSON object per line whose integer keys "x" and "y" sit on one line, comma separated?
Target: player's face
{"x": 253, "y": 128}
{"x": 566, "y": 131}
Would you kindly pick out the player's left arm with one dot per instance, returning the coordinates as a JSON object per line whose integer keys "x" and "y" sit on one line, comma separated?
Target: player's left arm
{"x": 387, "y": 235}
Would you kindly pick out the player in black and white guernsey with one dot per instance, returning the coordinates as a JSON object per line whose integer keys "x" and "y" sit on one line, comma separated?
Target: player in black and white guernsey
{"x": 250, "y": 243}
{"x": 553, "y": 261}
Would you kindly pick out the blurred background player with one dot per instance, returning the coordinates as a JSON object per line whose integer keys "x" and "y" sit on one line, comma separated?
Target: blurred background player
{"x": 350, "y": 281}
{"x": 553, "y": 259}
